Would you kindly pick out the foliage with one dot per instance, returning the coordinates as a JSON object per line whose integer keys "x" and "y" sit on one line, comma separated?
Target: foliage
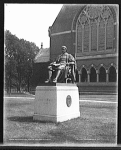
{"x": 19, "y": 56}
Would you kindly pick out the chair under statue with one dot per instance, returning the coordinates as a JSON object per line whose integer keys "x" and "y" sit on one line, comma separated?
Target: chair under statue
{"x": 67, "y": 74}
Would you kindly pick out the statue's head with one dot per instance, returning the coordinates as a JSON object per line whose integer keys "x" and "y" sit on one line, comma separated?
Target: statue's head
{"x": 64, "y": 49}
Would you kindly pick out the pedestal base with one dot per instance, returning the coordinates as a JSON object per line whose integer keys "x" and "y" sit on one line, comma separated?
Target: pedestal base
{"x": 56, "y": 103}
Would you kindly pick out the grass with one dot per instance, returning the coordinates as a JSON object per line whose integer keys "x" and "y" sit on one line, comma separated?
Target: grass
{"x": 96, "y": 125}
{"x": 19, "y": 94}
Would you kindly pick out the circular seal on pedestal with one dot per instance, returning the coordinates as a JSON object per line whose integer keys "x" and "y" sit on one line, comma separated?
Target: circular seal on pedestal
{"x": 68, "y": 100}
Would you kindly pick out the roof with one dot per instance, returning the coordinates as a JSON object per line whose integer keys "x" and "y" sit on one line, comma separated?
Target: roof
{"x": 64, "y": 20}
{"x": 43, "y": 55}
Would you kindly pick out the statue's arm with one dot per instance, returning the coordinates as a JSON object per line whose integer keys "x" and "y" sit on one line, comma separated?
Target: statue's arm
{"x": 72, "y": 61}
{"x": 71, "y": 58}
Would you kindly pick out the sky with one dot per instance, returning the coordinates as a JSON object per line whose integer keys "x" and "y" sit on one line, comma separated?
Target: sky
{"x": 31, "y": 21}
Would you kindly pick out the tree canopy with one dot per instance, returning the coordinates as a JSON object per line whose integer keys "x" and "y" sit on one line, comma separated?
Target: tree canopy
{"x": 19, "y": 59}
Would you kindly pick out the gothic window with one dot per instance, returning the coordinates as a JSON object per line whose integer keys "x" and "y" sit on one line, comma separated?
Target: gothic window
{"x": 93, "y": 76}
{"x": 102, "y": 75}
{"x": 84, "y": 75}
{"x": 77, "y": 76}
{"x": 86, "y": 37}
{"x": 93, "y": 35}
{"x": 112, "y": 74}
{"x": 101, "y": 35}
{"x": 79, "y": 38}
{"x": 95, "y": 29}
{"x": 109, "y": 33}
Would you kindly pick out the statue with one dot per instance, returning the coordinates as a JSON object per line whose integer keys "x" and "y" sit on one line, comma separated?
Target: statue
{"x": 63, "y": 68}
{"x": 54, "y": 97}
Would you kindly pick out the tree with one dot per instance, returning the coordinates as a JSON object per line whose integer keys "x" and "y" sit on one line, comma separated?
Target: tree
{"x": 19, "y": 56}
{"x": 9, "y": 60}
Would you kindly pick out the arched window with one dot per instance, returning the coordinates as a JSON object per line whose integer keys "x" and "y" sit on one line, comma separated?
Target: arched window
{"x": 110, "y": 33}
{"x": 102, "y": 74}
{"x": 79, "y": 38}
{"x": 83, "y": 33}
{"x": 101, "y": 36}
{"x": 95, "y": 29}
{"x": 93, "y": 35}
{"x": 112, "y": 74}
{"x": 77, "y": 76}
{"x": 84, "y": 75}
{"x": 86, "y": 37}
{"x": 93, "y": 76}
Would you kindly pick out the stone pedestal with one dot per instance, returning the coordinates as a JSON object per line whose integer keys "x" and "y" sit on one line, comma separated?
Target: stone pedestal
{"x": 56, "y": 103}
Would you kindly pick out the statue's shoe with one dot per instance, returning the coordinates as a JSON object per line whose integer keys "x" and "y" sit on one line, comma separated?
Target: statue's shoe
{"x": 54, "y": 81}
{"x": 47, "y": 81}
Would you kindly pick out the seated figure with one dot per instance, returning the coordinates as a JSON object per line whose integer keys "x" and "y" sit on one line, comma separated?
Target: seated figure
{"x": 63, "y": 62}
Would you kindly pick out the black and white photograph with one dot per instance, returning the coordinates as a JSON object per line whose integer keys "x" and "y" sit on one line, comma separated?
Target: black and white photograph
{"x": 61, "y": 75}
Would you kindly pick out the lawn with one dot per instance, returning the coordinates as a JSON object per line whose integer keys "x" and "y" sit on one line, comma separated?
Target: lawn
{"x": 96, "y": 125}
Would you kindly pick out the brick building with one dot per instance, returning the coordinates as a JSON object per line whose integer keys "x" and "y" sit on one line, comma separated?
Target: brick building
{"x": 41, "y": 62}
{"x": 90, "y": 33}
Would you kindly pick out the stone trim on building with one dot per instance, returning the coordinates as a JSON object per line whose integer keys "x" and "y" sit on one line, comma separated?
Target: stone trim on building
{"x": 64, "y": 32}
{"x": 101, "y": 73}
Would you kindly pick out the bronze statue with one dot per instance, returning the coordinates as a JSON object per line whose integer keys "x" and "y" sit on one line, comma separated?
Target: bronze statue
{"x": 64, "y": 63}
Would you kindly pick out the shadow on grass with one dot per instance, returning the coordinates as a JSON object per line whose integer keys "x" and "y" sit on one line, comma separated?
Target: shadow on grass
{"x": 27, "y": 119}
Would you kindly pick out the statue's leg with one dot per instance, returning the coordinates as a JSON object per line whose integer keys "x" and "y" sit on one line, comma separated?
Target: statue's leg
{"x": 57, "y": 75}
{"x": 50, "y": 74}
{"x": 73, "y": 74}
{"x": 59, "y": 69}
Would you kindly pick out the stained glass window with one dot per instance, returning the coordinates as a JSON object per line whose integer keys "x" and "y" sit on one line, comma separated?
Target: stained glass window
{"x": 109, "y": 33}
{"x": 101, "y": 35}
{"x": 86, "y": 37}
{"x": 79, "y": 38}
{"x": 98, "y": 32}
{"x": 93, "y": 36}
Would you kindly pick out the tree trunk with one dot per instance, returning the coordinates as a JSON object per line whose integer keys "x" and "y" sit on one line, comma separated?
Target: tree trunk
{"x": 28, "y": 85}
{"x": 19, "y": 81}
{"x": 10, "y": 83}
